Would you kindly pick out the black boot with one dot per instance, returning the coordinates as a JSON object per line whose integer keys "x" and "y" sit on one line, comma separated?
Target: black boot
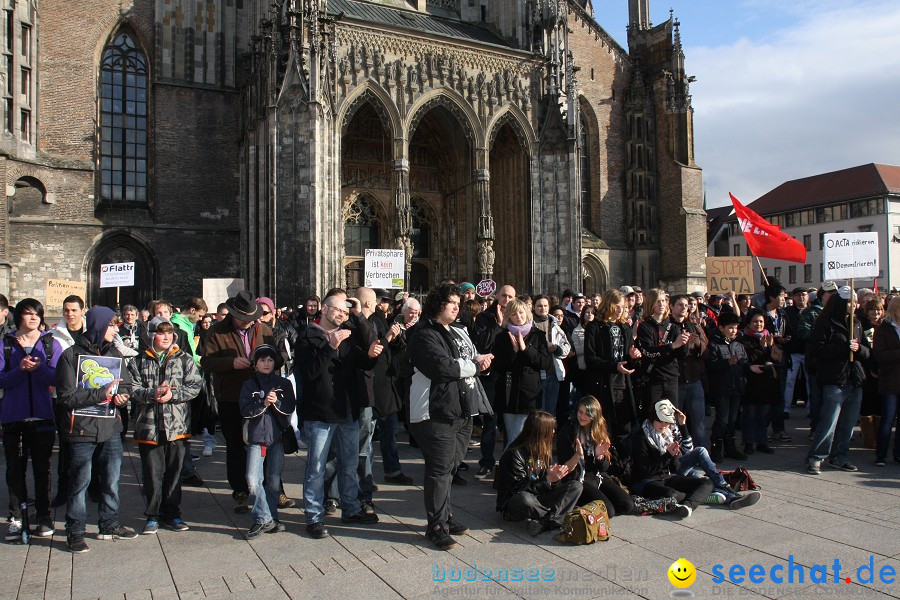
{"x": 731, "y": 450}
{"x": 716, "y": 451}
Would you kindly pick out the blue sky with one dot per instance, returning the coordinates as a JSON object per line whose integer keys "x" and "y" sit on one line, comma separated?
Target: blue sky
{"x": 785, "y": 89}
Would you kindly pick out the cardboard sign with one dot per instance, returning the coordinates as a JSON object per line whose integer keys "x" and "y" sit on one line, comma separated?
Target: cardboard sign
{"x": 217, "y": 291}
{"x": 729, "y": 274}
{"x": 385, "y": 269}
{"x": 117, "y": 275}
{"x": 486, "y": 287}
{"x": 850, "y": 255}
{"x": 58, "y": 290}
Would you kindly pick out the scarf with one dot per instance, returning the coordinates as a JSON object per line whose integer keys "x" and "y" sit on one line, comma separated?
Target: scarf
{"x": 658, "y": 440}
{"x": 756, "y": 335}
{"x": 542, "y": 323}
{"x": 520, "y": 329}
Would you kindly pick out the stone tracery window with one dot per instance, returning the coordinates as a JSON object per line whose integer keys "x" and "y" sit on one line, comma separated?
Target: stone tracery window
{"x": 421, "y": 229}
{"x": 360, "y": 226}
{"x": 123, "y": 121}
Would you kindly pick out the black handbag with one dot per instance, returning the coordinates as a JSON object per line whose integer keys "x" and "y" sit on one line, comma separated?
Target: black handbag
{"x": 289, "y": 440}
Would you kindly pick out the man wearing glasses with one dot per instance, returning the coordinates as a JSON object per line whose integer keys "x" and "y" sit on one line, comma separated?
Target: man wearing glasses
{"x": 330, "y": 355}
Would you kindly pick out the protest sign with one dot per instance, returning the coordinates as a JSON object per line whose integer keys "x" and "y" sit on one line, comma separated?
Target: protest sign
{"x": 486, "y": 287}
{"x": 94, "y": 373}
{"x": 729, "y": 274}
{"x": 385, "y": 268}
{"x": 59, "y": 289}
{"x": 218, "y": 290}
{"x": 850, "y": 255}
{"x": 117, "y": 275}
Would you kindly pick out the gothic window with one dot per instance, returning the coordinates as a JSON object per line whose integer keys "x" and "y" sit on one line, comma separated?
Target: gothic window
{"x": 360, "y": 227}
{"x": 421, "y": 230}
{"x": 585, "y": 174}
{"x": 123, "y": 121}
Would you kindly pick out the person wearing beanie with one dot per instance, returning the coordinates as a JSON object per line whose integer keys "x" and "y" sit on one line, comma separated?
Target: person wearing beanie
{"x": 266, "y": 403}
{"x": 165, "y": 380}
{"x": 92, "y": 437}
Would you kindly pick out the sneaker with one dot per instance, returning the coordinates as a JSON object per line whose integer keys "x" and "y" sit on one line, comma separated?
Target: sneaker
{"x": 360, "y": 518}
{"x": 455, "y": 527}
{"x": 462, "y": 467}
{"x": 748, "y": 499}
{"x": 278, "y": 528}
{"x": 317, "y": 530}
{"x": 473, "y": 443}
{"x": 14, "y": 532}
{"x": 399, "y": 478}
{"x": 151, "y": 527}
{"x": 682, "y": 511}
{"x": 176, "y": 524}
{"x": 240, "y": 503}
{"x": 458, "y": 479}
{"x": 257, "y": 529}
{"x": 715, "y": 498}
{"x": 438, "y": 536}
{"x": 331, "y": 507}
{"x": 285, "y": 502}
{"x": 765, "y": 449}
{"x": 192, "y": 480}
{"x": 781, "y": 437}
{"x": 44, "y": 528}
{"x": 725, "y": 486}
{"x": 482, "y": 473}
{"x": 813, "y": 467}
{"x": 119, "y": 532}
{"x": 208, "y": 449}
{"x": 880, "y": 462}
{"x": 75, "y": 542}
{"x": 844, "y": 466}
{"x": 368, "y": 507}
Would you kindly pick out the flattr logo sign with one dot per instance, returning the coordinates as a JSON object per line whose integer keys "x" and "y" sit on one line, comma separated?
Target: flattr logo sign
{"x": 117, "y": 275}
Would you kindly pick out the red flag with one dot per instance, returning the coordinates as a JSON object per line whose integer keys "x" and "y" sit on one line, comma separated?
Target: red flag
{"x": 765, "y": 239}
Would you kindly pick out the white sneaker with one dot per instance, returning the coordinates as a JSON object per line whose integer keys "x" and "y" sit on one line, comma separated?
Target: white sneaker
{"x": 15, "y": 530}
{"x": 682, "y": 511}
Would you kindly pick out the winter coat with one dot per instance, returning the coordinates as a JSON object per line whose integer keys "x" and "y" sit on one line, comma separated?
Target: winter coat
{"x": 332, "y": 384}
{"x": 830, "y": 344}
{"x": 486, "y": 330}
{"x": 69, "y": 396}
{"x": 648, "y": 463}
{"x": 439, "y": 390}
{"x": 27, "y": 394}
{"x": 519, "y": 387}
{"x": 605, "y": 346}
{"x": 223, "y": 345}
{"x": 387, "y": 397}
{"x": 263, "y": 424}
{"x": 886, "y": 349}
{"x": 659, "y": 359}
{"x": 762, "y": 388}
{"x": 691, "y": 364}
{"x": 154, "y": 422}
{"x": 556, "y": 336}
{"x": 726, "y": 379}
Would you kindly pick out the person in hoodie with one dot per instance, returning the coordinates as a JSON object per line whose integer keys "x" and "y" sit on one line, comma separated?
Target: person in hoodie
{"x": 267, "y": 401}
{"x": 27, "y": 370}
{"x": 165, "y": 380}
{"x": 85, "y": 435}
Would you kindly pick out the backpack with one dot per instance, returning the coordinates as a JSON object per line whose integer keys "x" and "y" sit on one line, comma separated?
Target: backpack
{"x": 586, "y": 524}
{"x": 740, "y": 480}
{"x": 46, "y": 341}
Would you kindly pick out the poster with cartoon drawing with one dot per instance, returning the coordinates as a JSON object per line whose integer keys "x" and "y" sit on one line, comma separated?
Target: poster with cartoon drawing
{"x": 94, "y": 373}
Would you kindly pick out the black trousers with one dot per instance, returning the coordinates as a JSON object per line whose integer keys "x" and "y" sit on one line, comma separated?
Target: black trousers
{"x": 617, "y": 500}
{"x": 161, "y": 469}
{"x": 232, "y": 424}
{"x": 551, "y": 505}
{"x": 38, "y": 446}
{"x": 690, "y": 491}
{"x": 653, "y": 392}
{"x": 444, "y": 445}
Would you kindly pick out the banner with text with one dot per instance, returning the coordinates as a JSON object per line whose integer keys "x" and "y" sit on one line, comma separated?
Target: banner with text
{"x": 216, "y": 291}
{"x": 117, "y": 275}
{"x": 58, "y": 290}
{"x": 729, "y": 274}
{"x": 385, "y": 269}
{"x": 850, "y": 255}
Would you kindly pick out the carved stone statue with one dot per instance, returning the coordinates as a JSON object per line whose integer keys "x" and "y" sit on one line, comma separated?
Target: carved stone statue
{"x": 485, "y": 257}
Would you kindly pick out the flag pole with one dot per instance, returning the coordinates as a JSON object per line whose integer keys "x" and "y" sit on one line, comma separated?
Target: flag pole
{"x": 761, "y": 270}
{"x": 852, "y": 314}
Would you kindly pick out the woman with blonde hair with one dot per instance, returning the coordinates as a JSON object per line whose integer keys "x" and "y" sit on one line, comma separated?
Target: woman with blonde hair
{"x": 528, "y": 485}
{"x": 611, "y": 357}
{"x": 519, "y": 357}
{"x": 661, "y": 343}
{"x": 585, "y": 447}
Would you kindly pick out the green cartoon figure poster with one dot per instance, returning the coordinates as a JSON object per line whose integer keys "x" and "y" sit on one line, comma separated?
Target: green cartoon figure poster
{"x": 95, "y": 373}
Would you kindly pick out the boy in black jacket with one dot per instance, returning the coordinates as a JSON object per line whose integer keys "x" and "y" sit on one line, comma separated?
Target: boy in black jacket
{"x": 726, "y": 366}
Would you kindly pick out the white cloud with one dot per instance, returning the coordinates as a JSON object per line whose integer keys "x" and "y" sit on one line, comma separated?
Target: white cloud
{"x": 818, "y": 96}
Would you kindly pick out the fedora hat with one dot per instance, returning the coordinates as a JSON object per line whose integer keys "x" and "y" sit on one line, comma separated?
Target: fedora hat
{"x": 243, "y": 307}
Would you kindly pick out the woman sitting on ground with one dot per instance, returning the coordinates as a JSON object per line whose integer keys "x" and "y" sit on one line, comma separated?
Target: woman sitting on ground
{"x": 528, "y": 486}
{"x": 584, "y": 445}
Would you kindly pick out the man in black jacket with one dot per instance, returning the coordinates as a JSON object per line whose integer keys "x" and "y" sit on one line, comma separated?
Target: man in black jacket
{"x": 329, "y": 356}
{"x": 92, "y": 436}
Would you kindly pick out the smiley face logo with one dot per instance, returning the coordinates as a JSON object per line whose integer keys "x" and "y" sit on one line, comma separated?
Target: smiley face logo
{"x": 682, "y": 573}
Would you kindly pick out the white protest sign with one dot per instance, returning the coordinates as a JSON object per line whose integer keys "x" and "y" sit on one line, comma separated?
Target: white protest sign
{"x": 850, "y": 255}
{"x": 117, "y": 275}
{"x": 218, "y": 290}
{"x": 385, "y": 269}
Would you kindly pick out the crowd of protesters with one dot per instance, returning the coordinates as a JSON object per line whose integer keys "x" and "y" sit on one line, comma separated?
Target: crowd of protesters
{"x": 602, "y": 398}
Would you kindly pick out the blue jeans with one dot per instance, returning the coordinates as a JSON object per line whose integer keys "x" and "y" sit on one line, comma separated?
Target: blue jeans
{"x": 837, "y": 417}
{"x": 389, "y": 455}
{"x": 698, "y": 460}
{"x": 366, "y": 459}
{"x": 889, "y": 404}
{"x": 550, "y": 387}
{"x": 264, "y": 480}
{"x": 109, "y": 461}
{"x": 319, "y": 437}
{"x": 692, "y": 401}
